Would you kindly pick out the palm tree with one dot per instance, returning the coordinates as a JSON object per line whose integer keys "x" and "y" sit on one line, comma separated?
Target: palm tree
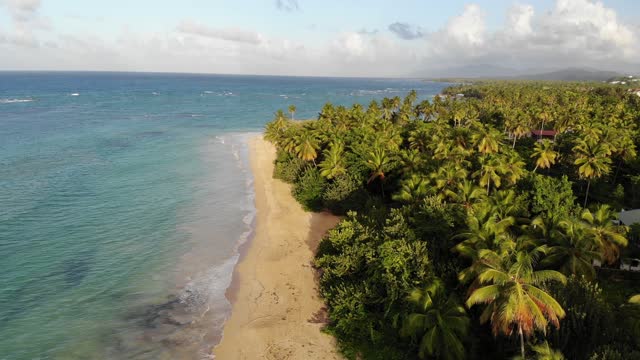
{"x": 411, "y": 97}
{"x": 543, "y": 351}
{"x": 411, "y": 160}
{"x": 289, "y": 139}
{"x": 438, "y": 321}
{"x": 424, "y": 110}
{"x": 377, "y": 159}
{"x": 387, "y": 108}
{"x": 306, "y": 145}
{"x": 451, "y": 152}
{"x": 404, "y": 114}
{"x": 608, "y": 236}
{"x": 504, "y": 203}
{"x": 511, "y": 291}
{"x": 333, "y": 164}
{"x": 412, "y": 189}
{"x": 625, "y": 151}
{"x": 467, "y": 194}
{"x": 484, "y": 231}
{"x": 420, "y": 137}
{"x": 274, "y": 131}
{"x": 395, "y": 102}
{"x": 459, "y": 114}
{"x": 488, "y": 140}
{"x": 593, "y": 160}
{"x": 491, "y": 172}
{"x": 545, "y": 116}
{"x": 544, "y": 154}
{"x": 292, "y": 110}
{"x": 447, "y": 177}
{"x": 514, "y": 167}
{"x": 518, "y": 124}
{"x": 571, "y": 250}
{"x": 327, "y": 112}
{"x": 390, "y": 135}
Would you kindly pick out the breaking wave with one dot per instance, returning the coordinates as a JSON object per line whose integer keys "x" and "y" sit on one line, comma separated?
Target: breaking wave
{"x": 11, "y": 101}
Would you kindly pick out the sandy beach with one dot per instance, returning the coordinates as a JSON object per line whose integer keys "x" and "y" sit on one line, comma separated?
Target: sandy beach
{"x": 275, "y": 301}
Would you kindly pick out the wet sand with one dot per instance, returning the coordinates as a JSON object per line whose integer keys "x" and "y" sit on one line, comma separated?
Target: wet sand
{"x": 276, "y": 311}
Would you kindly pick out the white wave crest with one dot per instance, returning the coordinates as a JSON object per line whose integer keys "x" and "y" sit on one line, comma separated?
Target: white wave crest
{"x": 11, "y": 101}
{"x": 248, "y": 218}
{"x": 217, "y": 93}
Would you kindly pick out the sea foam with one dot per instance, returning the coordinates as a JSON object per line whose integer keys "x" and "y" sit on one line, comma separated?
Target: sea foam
{"x": 11, "y": 101}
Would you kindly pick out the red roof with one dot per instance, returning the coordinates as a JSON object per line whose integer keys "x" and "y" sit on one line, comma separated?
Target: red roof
{"x": 544, "y": 132}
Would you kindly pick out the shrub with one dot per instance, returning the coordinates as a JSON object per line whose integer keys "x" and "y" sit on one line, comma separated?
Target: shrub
{"x": 550, "y": 195}
{"x": 589, "y": 318}
{"x": 343, "y": 194}
{"x": 308, "y": 189}
{"x": 614, "y": 352}
{"x": 287, "y": 168}
{"x": 366, "y": 272}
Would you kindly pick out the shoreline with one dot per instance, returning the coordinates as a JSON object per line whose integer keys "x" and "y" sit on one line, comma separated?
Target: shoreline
{"x": 273, "y": 292}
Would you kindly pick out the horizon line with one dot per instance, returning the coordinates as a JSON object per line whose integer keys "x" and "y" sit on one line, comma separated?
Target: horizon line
{"x": 423, "y": 78}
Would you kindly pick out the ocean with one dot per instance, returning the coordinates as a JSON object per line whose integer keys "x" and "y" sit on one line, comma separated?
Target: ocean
{"x": 124, "y": 198}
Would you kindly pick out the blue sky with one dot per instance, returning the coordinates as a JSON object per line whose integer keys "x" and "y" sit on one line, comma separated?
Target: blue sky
{"x": 312, "y": 37}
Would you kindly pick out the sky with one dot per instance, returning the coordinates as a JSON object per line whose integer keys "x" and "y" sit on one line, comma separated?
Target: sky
{"x": 382, "y": 38}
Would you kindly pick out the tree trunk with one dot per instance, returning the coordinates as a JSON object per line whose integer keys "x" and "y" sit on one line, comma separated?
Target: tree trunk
{"x": 488, "y": 185}
{"x": 535, "y": 168}
{"x": 541, "y": 129}
{"x": 586, "y": 196}
{"x": 521, "y": 341}
{"x": 617, "y": 170}
{"x": 514, "y": 141}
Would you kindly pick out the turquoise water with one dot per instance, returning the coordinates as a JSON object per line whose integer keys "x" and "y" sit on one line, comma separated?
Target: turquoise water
{"x": 123, "y": 199}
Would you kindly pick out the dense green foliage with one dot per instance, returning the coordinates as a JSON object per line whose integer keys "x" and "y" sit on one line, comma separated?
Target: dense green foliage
{"x": 464, "y": 236}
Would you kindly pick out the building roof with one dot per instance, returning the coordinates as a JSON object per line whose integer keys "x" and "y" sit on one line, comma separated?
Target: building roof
{"x": 629, "y": 217}
{"x": 544, "y": 132}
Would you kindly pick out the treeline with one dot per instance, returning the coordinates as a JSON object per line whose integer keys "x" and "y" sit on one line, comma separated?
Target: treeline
{"x": 464, "y": 236}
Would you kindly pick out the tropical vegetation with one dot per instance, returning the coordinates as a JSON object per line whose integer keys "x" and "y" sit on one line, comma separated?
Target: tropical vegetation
{"x": 465, "y": 235}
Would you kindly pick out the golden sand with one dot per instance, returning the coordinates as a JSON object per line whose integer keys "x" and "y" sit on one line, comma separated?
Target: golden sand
{"x": 276, "y": 307}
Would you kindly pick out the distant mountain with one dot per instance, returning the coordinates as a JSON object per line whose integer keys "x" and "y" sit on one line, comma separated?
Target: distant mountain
{"x": 484, "y": 71}
{"x": 475, "y": 71}
{"x": 572, "y": 74}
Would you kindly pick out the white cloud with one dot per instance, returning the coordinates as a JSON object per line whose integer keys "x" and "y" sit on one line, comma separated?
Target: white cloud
{"x": 366, "y": 54}
{"x": 229, "y": 34}
{"x": 571, "y": 33}
{"x": 351, "y": 44}
{"x": 519, "y": 20}
{"x": 586, "y": 24}
{"x": 467, "y": 29}
{"x": 26, "y": 22}
{"x": 22, "y": 10}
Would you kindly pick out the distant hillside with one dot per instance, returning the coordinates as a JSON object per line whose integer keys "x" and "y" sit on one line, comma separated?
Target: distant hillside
{"x": 493, "y": 72}
{"x": 476, "y": 71}
{"x": 627, "y": 80}
{"x": 572, "y": 75}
